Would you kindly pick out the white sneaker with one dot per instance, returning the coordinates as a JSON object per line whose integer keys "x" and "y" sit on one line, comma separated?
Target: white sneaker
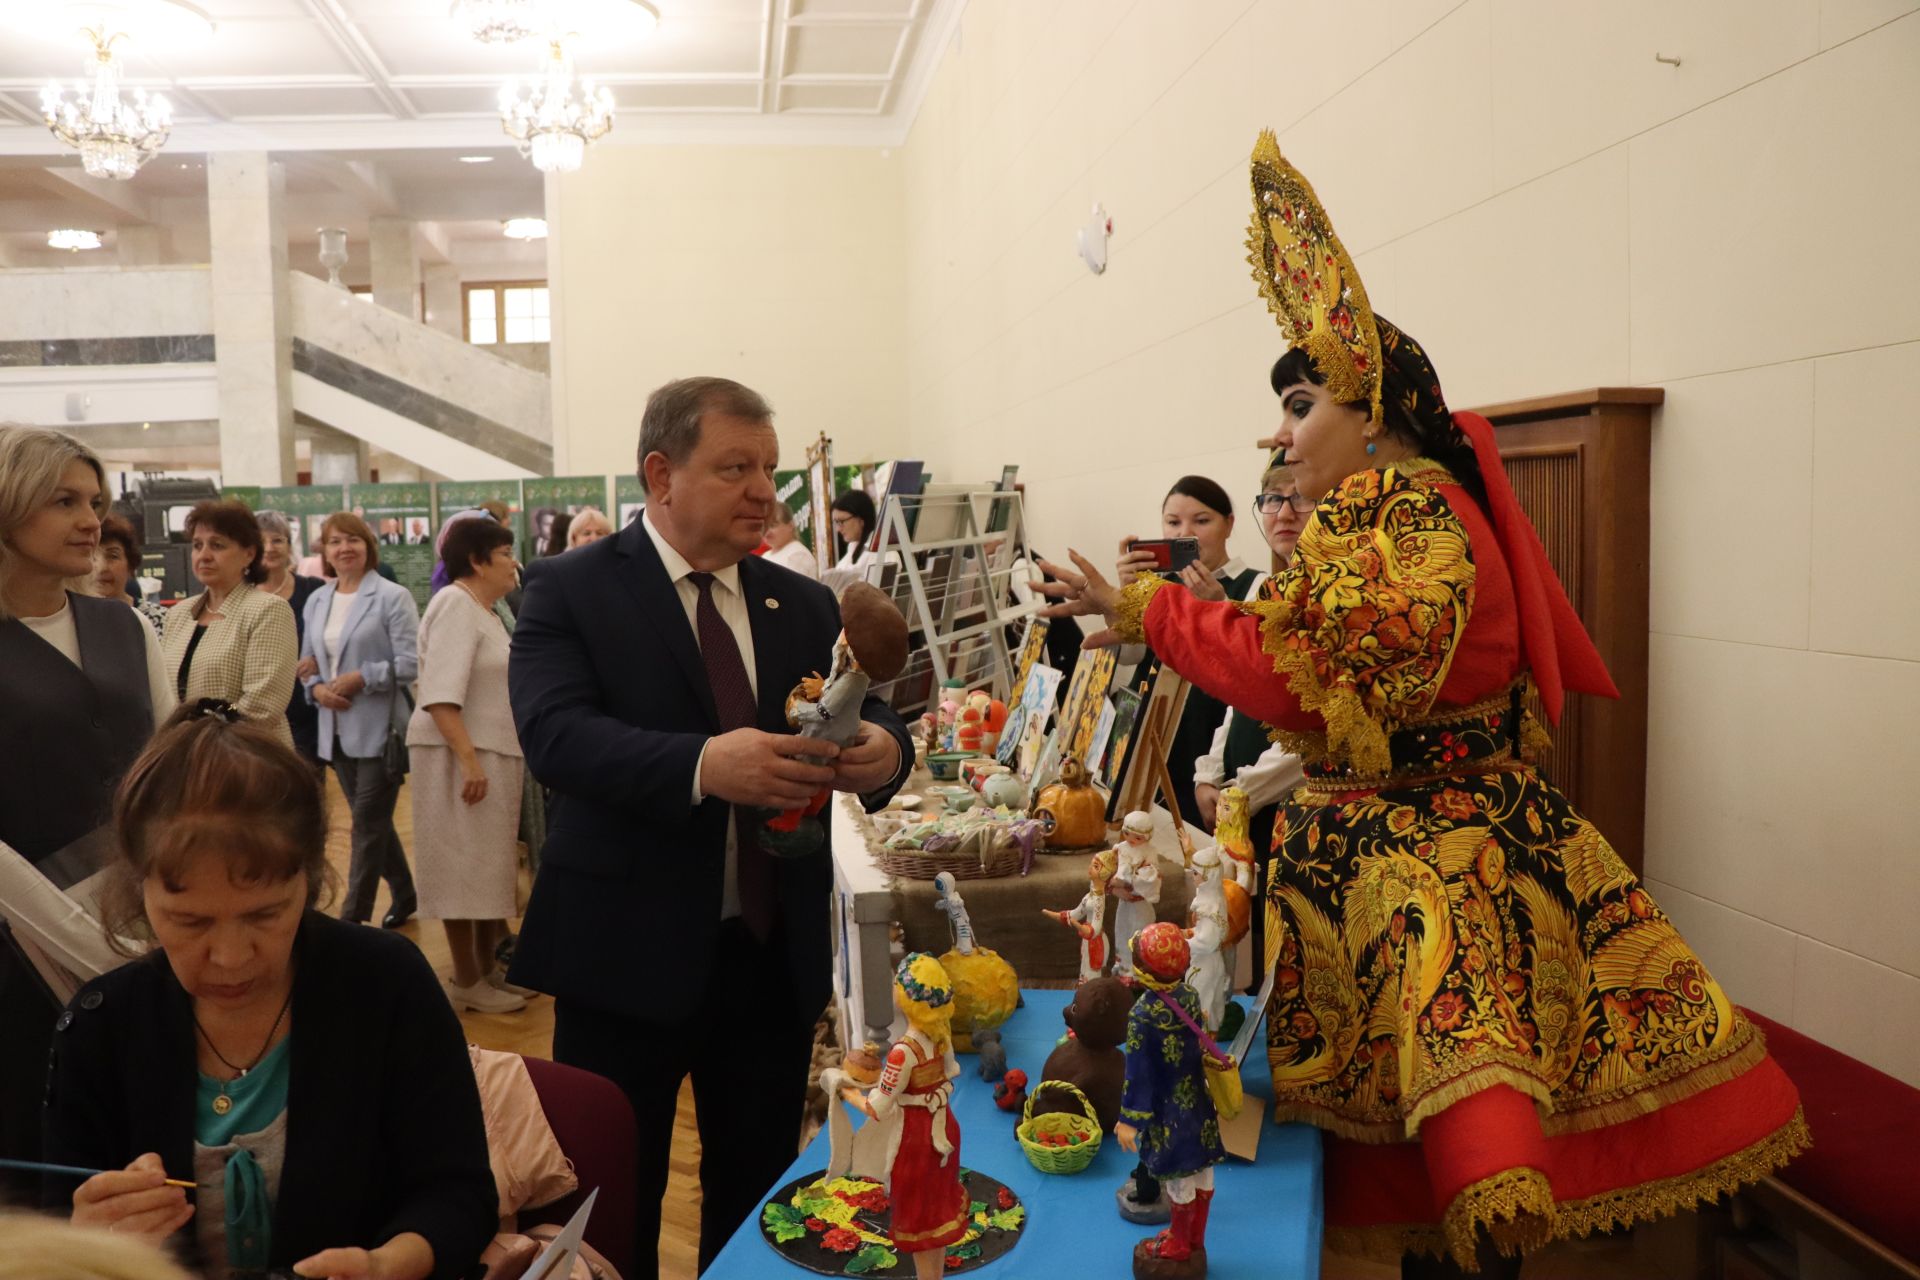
{"x": 482, "y": 997}
{"x": 498, "y": 981}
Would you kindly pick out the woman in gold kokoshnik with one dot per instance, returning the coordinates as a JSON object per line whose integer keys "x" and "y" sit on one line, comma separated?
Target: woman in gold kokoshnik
{"x": 1504, "y": 1037}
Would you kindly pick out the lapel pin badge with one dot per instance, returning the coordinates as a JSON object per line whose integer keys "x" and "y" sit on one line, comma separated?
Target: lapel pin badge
{"x": 772, "y": 603}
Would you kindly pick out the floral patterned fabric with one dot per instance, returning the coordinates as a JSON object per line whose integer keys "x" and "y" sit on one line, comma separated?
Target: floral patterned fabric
{"x": 1166, "y": 1096}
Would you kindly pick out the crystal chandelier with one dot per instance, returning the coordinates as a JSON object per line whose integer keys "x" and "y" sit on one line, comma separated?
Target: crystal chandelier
{"x": 551, "y": 124}
{"x": 114, "y": 136}
{"x": 500, "y": 21}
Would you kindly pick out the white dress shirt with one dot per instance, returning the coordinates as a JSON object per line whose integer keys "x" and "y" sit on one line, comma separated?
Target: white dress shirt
{"x": 733, "y": 611}
{"x": 1270, "y": 778}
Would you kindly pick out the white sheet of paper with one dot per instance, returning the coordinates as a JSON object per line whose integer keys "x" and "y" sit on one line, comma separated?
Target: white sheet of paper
{"x": 556, "y": 1260}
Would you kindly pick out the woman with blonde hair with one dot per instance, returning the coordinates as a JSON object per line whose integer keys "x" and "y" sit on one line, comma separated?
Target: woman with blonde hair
{"x": 590, "y": 524}
{"x": 361, "y": 650}
{"x": 231, "y": 641}
{"x": 930, "y": 1206}
{"x": 82, "y": 684}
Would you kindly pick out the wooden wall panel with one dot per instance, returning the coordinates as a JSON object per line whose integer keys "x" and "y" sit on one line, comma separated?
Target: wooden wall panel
{"x": 1579, "y": 464}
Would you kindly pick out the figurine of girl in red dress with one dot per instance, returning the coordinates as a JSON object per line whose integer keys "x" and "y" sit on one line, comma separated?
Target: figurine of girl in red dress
{"x": 930, "y": 1207}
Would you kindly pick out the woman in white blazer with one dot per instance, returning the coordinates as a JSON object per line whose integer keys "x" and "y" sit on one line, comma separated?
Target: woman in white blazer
{"x": 359, "y": 652}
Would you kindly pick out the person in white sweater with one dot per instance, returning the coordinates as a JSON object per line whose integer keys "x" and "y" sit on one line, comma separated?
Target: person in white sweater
{"x": 784, "y": 547}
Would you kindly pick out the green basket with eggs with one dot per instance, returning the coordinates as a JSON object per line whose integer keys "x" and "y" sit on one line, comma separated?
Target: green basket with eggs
{"x": 1075, "y": 1139}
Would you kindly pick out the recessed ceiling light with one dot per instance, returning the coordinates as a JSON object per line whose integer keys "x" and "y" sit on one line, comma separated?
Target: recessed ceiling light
{"x": 73, "y": 240}
{"x": 476, "y": 159}
{"x": 525, "y": 228}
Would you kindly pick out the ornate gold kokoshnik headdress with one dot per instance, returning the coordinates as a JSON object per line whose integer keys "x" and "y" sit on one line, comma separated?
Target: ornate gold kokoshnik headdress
{"x": 1309, "y": 282}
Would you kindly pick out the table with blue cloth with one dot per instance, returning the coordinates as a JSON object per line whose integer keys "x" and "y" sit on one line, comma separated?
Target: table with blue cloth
{"x": 1266, "y": 1218}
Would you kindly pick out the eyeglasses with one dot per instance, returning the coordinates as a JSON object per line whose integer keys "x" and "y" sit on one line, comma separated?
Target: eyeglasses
{"x": 1267, "y": 503}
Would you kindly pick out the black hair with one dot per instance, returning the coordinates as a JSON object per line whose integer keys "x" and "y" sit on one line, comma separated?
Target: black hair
{"x": 1207, "y": 493}
{"x": 1452, "y": 450}
{"x": 469, "y": 539}
{"x": 857, "y": 504}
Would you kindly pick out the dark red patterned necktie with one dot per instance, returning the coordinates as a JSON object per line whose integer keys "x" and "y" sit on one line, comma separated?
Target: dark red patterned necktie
{"x": 734, "y": 701}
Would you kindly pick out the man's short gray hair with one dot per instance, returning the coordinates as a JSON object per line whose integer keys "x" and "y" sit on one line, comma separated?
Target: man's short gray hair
{"x": 671, "y": 423}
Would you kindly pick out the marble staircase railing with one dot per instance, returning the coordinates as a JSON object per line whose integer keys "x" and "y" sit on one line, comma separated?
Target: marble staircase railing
{"x": 426, "y": 377}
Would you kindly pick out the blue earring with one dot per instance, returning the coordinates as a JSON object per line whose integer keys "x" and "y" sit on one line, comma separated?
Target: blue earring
{"x": 1372, "y": 448}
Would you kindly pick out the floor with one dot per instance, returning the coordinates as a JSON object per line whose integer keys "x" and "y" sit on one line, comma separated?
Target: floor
{"x": 531, "y": 1032}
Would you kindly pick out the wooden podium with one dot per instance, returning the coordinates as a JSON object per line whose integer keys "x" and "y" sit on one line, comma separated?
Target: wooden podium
{"x": 1579, "y": 463}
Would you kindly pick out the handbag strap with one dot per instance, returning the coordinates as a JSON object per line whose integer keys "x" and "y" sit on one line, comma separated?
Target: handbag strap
{"x": 1207, "y": 1042}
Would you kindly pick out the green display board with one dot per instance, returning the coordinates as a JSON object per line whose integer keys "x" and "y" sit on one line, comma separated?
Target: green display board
{"x": 247, "y": 493}
{"x": 629, "y": 495}
{"x": 796, "y": 490}
{"x": 548, "y": 496}
{"x": 306, "y": 507}
{"x": 459, "y": 495}
{"x": 401, "y": 516}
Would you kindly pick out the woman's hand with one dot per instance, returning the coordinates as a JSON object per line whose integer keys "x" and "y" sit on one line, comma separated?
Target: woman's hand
{"x": 307, "y": 669}
{"x": 473, "y": 780}
{"x": 407, "y": 1256}
{"x": 1131, "y": 563}
{"x": 133, "y": 1201}
{"x": 350, "y": 685}
{"x": 1085, "y": 592}
{"x": 1203, "y": 584}
{"x": 324, "y": 696}
{"x": 1206, "y": 797}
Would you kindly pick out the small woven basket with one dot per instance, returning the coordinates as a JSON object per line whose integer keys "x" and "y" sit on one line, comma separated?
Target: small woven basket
{"x": 1068, "y": 1159}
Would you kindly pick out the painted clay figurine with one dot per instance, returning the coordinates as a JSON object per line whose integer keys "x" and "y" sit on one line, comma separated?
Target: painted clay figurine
{"x": 930, "y": 1206}
{"x": 1089, "y": 919}
{"x": 1136, "y": 878}
{"x": 985, "y": 988}
{"x": 872, "y": 646}
{"x": 1166, "y": 1112}
{"x": 1207, "y": 929}
{"x": 954, "y": 907}
{"x": 1090, "y": 1059}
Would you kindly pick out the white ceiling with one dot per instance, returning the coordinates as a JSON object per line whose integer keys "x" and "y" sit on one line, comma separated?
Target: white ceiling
{"x": 342, "y": 75}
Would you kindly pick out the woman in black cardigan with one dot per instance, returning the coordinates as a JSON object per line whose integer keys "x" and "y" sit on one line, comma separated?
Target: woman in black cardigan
{"x": 308, "y": 1074}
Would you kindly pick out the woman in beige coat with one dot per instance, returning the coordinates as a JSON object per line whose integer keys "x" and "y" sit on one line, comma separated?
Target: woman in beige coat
{"x": 231, "y": 641}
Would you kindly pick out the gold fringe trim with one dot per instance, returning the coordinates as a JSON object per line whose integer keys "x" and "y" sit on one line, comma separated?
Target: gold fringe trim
{"x": 1677, "y": 1081}
{"x": 1131, "y": 626}
{"x": 1622, "y": 1208}
{"x": 1515, "y": 1206}
{"x": 1351, "y": 734}
{"x": 1479, "y": 1078}
{"x": 1652, "y": 1200}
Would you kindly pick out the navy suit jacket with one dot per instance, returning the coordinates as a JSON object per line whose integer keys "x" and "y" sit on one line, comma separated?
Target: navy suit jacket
{"x": 612, "y": 703}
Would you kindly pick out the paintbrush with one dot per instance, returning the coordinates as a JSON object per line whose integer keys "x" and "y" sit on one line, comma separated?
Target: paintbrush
{"x": 75, "y": 1171}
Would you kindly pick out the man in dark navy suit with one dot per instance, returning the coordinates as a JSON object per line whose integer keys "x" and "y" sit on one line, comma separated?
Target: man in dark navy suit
{"x": 649, "y": 680}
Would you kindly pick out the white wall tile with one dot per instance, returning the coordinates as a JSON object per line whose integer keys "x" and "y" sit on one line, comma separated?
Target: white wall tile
{"x": 1866, "y": 583}
{"x": 1863, "y": 1009}
{"x": 1750, "y": 212}
{"x": 1751, "y": 959}
{"x": 1767, "y": 777}
{"x": 1526, "y": 293}
{"x": 1408, "y": 143}
{"x": 1552, "y": 106}
{"x": 1733, "y": 515}
{"x": 1844, "y": 19}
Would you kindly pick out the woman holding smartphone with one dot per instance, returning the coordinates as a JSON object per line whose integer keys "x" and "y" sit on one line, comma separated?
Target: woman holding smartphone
{"x": 1197, "y": 508}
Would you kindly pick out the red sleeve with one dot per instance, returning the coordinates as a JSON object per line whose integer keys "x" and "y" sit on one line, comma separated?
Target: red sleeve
{"x": 1217, "y": 647}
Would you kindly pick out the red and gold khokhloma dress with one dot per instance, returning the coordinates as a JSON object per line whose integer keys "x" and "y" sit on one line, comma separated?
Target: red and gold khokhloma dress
{"x": 930, "y": 1207}
{"x": 1495, "y": 1025}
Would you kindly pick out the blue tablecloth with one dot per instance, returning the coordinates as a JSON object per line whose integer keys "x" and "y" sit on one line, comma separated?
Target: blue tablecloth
{"x": 1266, "y": 1216}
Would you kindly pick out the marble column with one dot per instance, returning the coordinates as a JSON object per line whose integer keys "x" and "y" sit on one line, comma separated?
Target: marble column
{"x": 443, "y": 298}
{"x": 140, "y": 246}
{"x": 252, "y": 317}
{"x": 396, "y": 265}
{"x": 338, "y": 458}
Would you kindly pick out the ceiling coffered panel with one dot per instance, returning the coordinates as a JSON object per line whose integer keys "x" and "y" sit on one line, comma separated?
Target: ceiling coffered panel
{"x": 374, "y": 74}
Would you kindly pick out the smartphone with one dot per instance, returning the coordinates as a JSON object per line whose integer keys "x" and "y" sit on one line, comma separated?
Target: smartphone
{"x": 1170, "y": 555}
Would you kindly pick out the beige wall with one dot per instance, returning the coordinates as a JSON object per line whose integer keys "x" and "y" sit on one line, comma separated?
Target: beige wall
{"x": 781, "y": 267}
{"x": 1547, "y": 208}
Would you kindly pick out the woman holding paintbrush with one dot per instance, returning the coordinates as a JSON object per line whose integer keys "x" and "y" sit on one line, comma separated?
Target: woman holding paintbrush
{"x": 269, "y": 1088}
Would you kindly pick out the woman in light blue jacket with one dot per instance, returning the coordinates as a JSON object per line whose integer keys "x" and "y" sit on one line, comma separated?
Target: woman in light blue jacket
{"x": 360, "y": 650}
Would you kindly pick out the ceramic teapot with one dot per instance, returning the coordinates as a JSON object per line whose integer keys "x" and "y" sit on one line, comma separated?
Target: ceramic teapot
{"x": 1072, "y": 811}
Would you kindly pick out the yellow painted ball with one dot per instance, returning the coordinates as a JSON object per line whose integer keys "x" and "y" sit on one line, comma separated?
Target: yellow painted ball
{"x": 985, "y": 992}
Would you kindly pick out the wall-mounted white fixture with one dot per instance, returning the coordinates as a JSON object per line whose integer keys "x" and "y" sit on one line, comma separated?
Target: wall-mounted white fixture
{"x": 524, "y": 228}
{"x": 73, "y": 240}
{"x": 1093, "y": 240}
{"x": 333, "y": 253}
